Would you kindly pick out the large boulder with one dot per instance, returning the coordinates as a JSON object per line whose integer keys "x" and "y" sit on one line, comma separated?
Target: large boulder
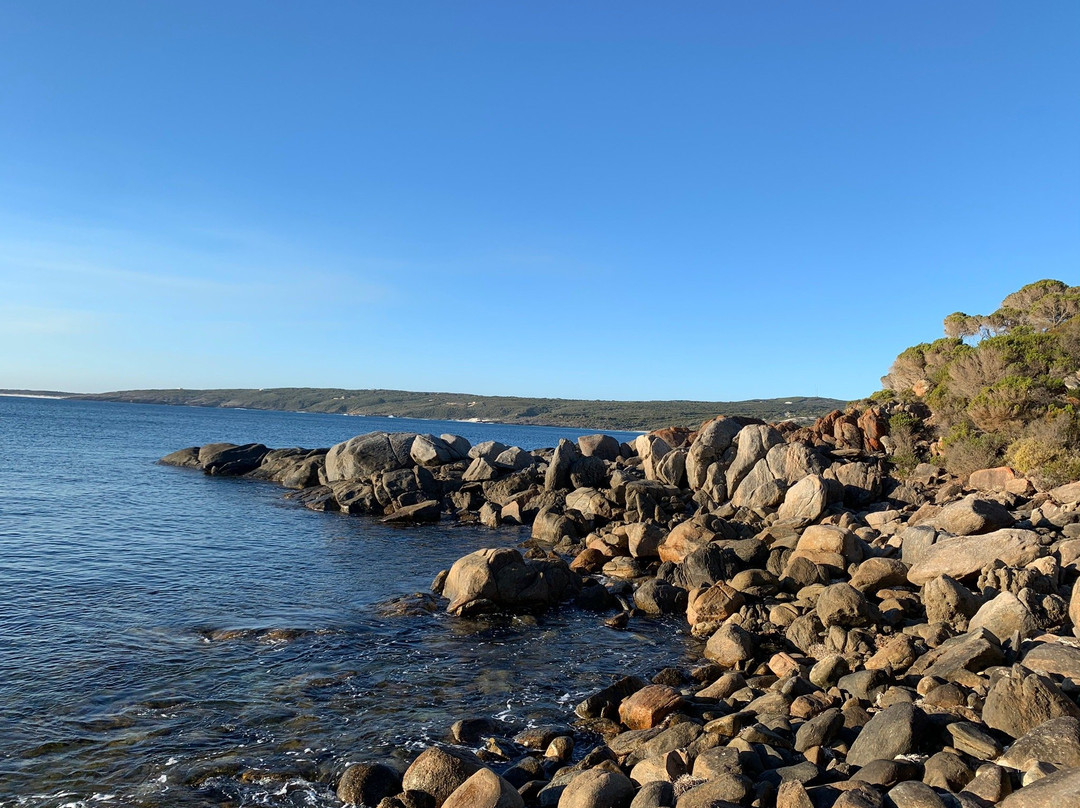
{"x": 427, "y": 450}
{"x": 804, "y": 502}
{"x": 368, "y": 783}
{"x": 485, "y": 789}
{"x": 1057, "y": 790}
{"x": 364, "y": 456}
{"x": 603, "y": 446}
{"x": 1019, "y": 702}
{"x": 651, "y": 449}
{"x": 753, "y": 442}
{"x": 713, "y": 440}
{"x": 439, "y": 772}
{"x": 971, "y": 516}
{"x": 598, "y": 788}
{"x": 558, "y": 472}
{"x": 501, "y": 579}
{"x": 963, "y": 556}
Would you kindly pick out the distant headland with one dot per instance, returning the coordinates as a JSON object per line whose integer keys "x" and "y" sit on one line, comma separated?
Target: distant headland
{"x": 629, "y": 415}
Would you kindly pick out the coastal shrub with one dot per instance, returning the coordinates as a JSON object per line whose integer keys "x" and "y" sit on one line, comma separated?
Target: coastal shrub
{"x": 967, "y": 450}
{"x": 904, "y": 429}
{"x": 1049, "y": 451}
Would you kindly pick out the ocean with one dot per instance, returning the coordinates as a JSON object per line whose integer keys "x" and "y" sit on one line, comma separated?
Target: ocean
{"x": 171, "y": 639}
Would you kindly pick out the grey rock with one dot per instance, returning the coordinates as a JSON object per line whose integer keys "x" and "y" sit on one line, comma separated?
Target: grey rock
{"x": 890, "y": 732}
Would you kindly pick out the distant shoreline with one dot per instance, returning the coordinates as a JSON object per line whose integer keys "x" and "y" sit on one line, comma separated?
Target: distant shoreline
{"x": 623, "y": 416}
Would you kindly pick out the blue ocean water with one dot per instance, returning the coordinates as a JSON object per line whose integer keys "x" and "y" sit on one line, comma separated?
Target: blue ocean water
{"x": 168, "y": 638}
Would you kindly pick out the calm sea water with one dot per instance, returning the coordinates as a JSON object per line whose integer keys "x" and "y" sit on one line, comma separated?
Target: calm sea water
{"x": 172, "y": 639}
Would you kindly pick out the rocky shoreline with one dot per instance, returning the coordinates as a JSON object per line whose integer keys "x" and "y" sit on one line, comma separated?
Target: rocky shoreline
{"x": 870, "y": 640}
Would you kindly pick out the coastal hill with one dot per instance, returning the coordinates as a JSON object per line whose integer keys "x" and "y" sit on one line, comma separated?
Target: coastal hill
{"x": 504, "y": 409}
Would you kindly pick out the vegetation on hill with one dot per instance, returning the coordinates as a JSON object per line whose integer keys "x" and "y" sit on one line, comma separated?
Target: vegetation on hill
{"x": 1003, "y": 387}
{"x": 504, "y": 409}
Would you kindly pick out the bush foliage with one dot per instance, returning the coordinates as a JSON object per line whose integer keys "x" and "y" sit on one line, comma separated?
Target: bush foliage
{"x": 1003, "y": 386}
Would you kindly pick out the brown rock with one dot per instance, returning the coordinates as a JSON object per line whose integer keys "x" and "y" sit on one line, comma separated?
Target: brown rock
{"x": 649, "y": 706}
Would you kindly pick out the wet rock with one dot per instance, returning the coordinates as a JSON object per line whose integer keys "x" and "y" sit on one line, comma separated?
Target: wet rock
{"x": 649, "y": 706}
{"x": 183, "y": 458}
{"x": 890, "y": 732}
{"x": 656, "y": 596}
{"x": 368, "y": 783}
{"x": 605, "y": 703}
{"x": 485, "y": 789}
{"x": 489, "y": 580}
{"x": 1018, "y": 703}
{"x": 438, "y": 772}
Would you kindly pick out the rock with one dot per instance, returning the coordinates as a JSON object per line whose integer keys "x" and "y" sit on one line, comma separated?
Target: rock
{"x": 590, "y": 502}
{"x": 643, "y": 539}
{"x": 649, "y": 706}
{"x": 514, "y": 459}
{"x": 493, "y": 579}
{"x": 684, "y": 539}
{"x": 724, "y": 790}
{"x": 485, "y": 789}
{"x": 487, "y": 450}
{"x": 890, "y": 732}
{"x": 842, "y": 605}
{"x": 991, "y": 784}
{"x": 552, "y": 527}
{"x": 792, "y": 794}
{"x": 671, "y": 468}
{"x": 968, "y": 652}
{"x": 1067, "y": 494}
{"x": 753, "y": 443}
{"x": 971, "y": 516}
{"x": 819, "y": 730}
{"x": 367, "y": 455}
{"x": 1018, "y": 703}
{"x": 712, "y": 441}
{"x": 1057, "y": 658}
{"x": 804, "y": 502}
{"x": 481, "y": 470}
{"x": 666, "y": 767}
{"x": 947, "y": 770}
{"x": 427, "y": 511}
{"x": 963, "y": 556}
{"x": 995, "y": 479}
{"x": 1074, "y": 608}
{"x": 713, "y": 604}
{"x": 1005, "y": 615}
{"x": 438, "y": 772}
{"x": 729, "y": 645}
{"x": 367, "y": 783}
{"x": 605, "y": 703}
{"x": 598, "y": 788}
{"x": 427, "y": 450}
{"x": 879, "y": 573}
{"x": 1056, "y": 742}
{"x": 828, "y": 545}
{"x": 973, "y": 739}
{"x": 651, "y": 449}
{"x": 558, "y": 472}
{"x": 897, "y": 655}
{"x": 227, "y": 460}
{"x": 1058, "y": 789}
{"x": 657, "y": 596}
{"x": 604, "y": 447}
{"x": 657, "y": 794}
{"x": 948, "y": 601}
{"x": 913, "y": 794}
{"x": 184, "y": 458}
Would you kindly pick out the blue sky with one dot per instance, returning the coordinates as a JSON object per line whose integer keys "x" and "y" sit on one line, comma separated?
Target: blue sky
{"x": 703, "y": 200}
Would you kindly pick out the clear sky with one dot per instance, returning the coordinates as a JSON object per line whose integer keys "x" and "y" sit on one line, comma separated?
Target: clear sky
{"x": 703, "y": 200}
